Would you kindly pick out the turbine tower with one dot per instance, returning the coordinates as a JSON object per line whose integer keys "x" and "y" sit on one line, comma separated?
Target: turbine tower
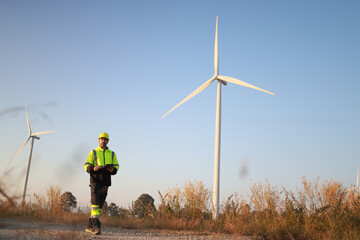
{"x": 221, "y": 80}
{"x": 31, "y": 136}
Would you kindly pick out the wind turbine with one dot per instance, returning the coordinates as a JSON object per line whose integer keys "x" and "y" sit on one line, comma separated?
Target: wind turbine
{"x": 357, "y": 183}
{"x": 221, "y": 80}
{"x": 31, "y": 136}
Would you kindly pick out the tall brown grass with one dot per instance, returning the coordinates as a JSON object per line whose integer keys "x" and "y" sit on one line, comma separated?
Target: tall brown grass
{"x": 42, "y": 207}
{"x": 325, "y": 210}
{"x": 315, "y": 211}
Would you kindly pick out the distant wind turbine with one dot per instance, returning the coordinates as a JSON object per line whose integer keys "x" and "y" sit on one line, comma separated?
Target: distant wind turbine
{"x": 221, "y": 80}
{"x": 31, "y": 136}
{"x": 357, "y": 183}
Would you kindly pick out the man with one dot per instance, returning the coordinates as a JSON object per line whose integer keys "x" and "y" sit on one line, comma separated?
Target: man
{"x": 101, "y": 163}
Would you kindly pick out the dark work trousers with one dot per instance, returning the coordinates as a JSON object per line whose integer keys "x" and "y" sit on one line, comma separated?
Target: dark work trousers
{"x": 98, "y": 194}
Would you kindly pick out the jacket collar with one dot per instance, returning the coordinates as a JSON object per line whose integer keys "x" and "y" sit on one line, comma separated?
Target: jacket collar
{"x": 100, "y": 149}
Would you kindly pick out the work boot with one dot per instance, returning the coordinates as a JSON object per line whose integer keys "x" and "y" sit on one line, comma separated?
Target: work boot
{"x": 90, "y": 228}
{"x": 97, "y": 226}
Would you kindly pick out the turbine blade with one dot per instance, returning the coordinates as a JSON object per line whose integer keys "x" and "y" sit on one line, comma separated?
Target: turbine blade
{"x": 11, "y": 160}
{"x": 194, "y": 93}
{"x": 241, "y": 83}
{"x": 216, "y": 50}
{"x": 357, "y": 180}
{"x": 27, "y": 119}
{"x": 40, "y": 133}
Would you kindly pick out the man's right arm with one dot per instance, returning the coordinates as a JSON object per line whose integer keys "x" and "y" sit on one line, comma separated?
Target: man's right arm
{"x": 89, "y": 164}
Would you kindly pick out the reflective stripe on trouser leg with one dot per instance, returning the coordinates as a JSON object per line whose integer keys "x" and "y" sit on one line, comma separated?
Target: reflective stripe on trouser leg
{"x": 95, "y": 211}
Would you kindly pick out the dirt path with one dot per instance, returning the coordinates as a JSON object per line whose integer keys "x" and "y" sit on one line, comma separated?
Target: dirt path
{"x": 28, "y": 229}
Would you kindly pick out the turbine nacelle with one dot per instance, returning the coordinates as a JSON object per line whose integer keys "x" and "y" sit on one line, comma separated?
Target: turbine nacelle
{"x": 223, "y": 82}
{"x": 216, "y": 77}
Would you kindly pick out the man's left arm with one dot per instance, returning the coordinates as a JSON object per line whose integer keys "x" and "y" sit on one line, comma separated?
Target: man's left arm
{"x": 116, "y": 165}
{"x": 113, "y": 168}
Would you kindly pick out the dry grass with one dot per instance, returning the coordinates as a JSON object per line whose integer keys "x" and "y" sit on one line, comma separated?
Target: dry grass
{"x": 317, "y": 210}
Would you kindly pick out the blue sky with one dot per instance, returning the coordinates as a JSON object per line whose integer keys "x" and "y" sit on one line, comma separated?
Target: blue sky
{"x": 117, "y": 66}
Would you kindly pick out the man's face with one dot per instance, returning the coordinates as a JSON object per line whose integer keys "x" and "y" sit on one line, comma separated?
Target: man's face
{"x": 103, "y": 142}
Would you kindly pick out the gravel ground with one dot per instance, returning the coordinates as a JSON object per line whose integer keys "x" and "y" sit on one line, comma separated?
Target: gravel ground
{"x": 29, "y": 229}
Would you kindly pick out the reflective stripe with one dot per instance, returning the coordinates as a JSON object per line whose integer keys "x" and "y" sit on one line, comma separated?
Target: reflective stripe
{"x": 95, "y": 157}
{"x": 86, "y": 165}
{"x": 95, "y": 211}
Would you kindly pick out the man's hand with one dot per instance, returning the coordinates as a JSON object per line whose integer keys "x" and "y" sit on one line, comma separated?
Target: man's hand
{"x": 96, "y": 168}
{"x": 110, "y": 169}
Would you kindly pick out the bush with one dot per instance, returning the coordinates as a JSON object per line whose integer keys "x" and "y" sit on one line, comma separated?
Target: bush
{"x": 68, "y": 201}
{"x": 144, "y": 206}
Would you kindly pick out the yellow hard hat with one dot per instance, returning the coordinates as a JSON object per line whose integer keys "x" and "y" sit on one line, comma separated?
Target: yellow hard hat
{"x": 104, "y": 135}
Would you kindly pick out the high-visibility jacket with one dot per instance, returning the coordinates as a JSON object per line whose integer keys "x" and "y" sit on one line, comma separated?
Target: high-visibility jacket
{"x": 104, "y": 158}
